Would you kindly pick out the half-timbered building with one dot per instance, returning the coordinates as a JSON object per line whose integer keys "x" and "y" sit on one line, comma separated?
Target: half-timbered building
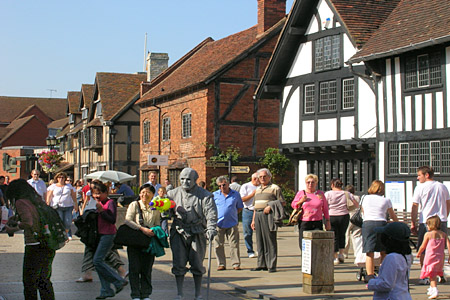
{"x": 409, "y": 59}
{"x": 206, "y": 99}
{"x": 327, "y": 108}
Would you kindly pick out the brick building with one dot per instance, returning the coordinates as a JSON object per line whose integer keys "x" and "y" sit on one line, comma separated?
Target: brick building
{"x": 206, "y": 98}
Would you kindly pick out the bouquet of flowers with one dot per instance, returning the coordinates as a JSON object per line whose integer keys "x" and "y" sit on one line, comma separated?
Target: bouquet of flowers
{"x": 50, "y": 160}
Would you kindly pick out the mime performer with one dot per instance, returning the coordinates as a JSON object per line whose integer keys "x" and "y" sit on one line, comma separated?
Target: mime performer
{"x": 194, "y": 221}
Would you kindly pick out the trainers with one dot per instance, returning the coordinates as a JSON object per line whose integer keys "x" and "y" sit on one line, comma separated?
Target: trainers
{"x": 429, "y": 291}
{"x": 433, "y": 293}
{"x": 441, "y": 279}
{"x": 341, "y": 258}
{"x": 336, "y": 261}
{"x": 251, "y": 255}
{"x": 424, "y": 281}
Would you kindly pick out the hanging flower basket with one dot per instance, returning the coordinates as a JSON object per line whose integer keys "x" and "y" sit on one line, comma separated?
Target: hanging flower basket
{"x": 50, "y": 160}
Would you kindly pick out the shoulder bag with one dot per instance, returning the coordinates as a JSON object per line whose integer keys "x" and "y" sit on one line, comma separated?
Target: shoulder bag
{"x": 350, "y": 205}
{"x": 296, "y": 215}
{"x": 357, "y": 218}
{"x": 127, "y": 236}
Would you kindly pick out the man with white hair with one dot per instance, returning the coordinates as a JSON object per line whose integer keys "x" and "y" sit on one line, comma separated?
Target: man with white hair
{"x": 268, "y": 203}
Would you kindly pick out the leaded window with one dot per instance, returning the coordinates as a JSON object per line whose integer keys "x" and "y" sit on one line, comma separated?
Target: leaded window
{"x": 186, "y": 125}
{"x": 348, "y": 93}
{"x": 309, "y": 98}
{"x": 328, "y": 97}
{"x": 146, "y": 132}
{"x": 166, "y": 129}
{"x": 328, "y": 53}
{"x": 423, "y": 70}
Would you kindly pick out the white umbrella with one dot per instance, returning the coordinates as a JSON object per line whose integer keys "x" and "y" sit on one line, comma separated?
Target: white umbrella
{"x": 111, "y": 175}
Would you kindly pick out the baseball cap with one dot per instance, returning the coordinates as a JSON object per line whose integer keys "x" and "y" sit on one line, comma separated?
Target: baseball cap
{"x": 396, "y": 230}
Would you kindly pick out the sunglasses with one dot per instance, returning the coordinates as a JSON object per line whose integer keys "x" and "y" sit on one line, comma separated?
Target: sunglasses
{"x": 223, "y": 185}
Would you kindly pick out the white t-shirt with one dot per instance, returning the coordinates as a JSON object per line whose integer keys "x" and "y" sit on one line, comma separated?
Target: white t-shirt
{"x": 62, "y": 196}
{"x": 247, "y": 189}
{"x": 432, "y": 198}
{"x": 375, "y": 207}
{"x": 92, "y": 203}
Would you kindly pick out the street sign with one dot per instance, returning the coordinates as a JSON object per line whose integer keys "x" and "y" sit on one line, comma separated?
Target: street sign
{"x": 158, "y": 160}
{"x": 216, "y": 164}
{"x": 240, "y": 169}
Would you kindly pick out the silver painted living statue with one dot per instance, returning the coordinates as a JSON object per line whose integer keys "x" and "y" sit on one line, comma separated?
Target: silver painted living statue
{"x": 194, "y": 220}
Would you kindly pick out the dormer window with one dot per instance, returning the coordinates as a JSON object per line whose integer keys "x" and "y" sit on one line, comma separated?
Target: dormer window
{"x": 71, "y": 118}
{"x": 84, "y": 113}
{"x": 98, "y": 110}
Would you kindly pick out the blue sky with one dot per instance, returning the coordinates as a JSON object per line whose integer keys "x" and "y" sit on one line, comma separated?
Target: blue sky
{"x": 60, "y": 45}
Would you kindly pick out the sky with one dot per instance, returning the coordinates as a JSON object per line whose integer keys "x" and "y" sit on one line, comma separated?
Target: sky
{"x": 50, "y": 47}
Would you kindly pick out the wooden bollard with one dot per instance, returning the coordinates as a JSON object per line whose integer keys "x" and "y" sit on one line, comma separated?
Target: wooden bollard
{"x": 317, "y": 262}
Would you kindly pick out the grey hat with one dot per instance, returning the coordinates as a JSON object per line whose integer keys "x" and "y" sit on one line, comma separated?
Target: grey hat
{"x": 396, "y": 230}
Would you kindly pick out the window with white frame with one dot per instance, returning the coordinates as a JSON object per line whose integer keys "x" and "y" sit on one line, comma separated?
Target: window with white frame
{"x": 328, "y": 96}
{"x": 84, "y": 113}
{"x": 166, "y": 129}
{"x": 309, "y": 99}
{"x": 146, "y": 132}
{"x": 348, "y": 93}
{"x": 187, "y": 125}
{"x": 423, "y": 70}
{"x": 327, "y": 53}
{"x": 406, "y": 157}
{"x": 98, "y": 111}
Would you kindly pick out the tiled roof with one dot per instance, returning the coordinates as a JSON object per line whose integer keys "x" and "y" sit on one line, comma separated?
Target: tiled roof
{"x": 363, "y": 17}
{"x": 208, "y": 61}
{"x": 58, "y": 123}
{"x": 63, "y": 132}
{"x": 54, "y": 108}
{"x": 15, "y": 126}
{"x": 87, "y": 92}
{"x": 116, "y": 90}
{"x": 413, "y": 24}
{"x": 94, "y": 123}
{"x": 73, "y": 98}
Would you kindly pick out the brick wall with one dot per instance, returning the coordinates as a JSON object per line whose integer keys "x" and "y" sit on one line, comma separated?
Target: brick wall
{"x": 31, "y": 134}
{"x": 269, "y": 13}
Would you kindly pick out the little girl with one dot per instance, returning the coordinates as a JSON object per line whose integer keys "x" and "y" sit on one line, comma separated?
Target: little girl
{"x": 433, "y": 263}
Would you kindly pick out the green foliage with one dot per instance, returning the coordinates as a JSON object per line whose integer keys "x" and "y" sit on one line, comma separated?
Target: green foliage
{"x": 276, "y": 162}
{"x": 220, "y": 155}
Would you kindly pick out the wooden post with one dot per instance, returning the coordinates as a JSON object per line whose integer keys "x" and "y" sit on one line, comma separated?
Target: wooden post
{"x": 317, "y": 262}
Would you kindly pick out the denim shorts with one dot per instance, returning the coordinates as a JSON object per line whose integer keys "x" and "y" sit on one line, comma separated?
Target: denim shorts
{"x": 371, "y": 239}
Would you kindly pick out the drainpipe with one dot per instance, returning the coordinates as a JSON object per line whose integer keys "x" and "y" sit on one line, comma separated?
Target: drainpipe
{"x": 159, "y": 135}
{"x": 112, "y": 134}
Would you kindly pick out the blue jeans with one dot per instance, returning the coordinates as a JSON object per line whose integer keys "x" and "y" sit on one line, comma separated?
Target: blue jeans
{"x": 106, "y": 274}
{"x": 247, "y": 217}
{"x": 65, "y": 213}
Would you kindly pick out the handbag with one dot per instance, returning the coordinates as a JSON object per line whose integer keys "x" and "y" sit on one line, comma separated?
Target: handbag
{"x": 127, "y": 236}
{"x": 350, "y": 205}
{"x": 357, "y": 218}
{"x": 296, "y": 215}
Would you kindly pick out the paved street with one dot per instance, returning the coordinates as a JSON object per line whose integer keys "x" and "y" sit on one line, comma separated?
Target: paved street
{"x": 229, "y": 284}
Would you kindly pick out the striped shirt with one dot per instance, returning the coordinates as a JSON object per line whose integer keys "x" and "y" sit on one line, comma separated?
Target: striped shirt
{"x": 264, "y": 195}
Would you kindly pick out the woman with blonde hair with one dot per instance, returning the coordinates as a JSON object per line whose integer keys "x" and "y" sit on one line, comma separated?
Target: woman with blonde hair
{"x": 315, "y": 207}
{"x": 374, "y": 207}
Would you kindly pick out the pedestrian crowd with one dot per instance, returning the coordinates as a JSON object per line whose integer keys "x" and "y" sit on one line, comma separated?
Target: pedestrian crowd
{"x": 201, "y": 220}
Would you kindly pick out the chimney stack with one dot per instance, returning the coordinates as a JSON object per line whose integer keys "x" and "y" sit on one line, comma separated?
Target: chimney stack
{"x": 156, "y": 64}
{"x": 269, "y": 13}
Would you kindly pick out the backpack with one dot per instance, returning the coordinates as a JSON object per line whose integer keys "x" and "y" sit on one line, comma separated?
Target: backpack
{"x": 52, "y": 231}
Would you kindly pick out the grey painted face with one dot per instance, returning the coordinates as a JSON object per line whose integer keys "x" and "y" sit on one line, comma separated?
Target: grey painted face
{"x": 188, "y": 178}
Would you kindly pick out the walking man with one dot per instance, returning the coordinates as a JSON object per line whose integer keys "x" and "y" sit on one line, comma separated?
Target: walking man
{"x": 229, "y": 204}
{"x": 269, "y": 211}
{"x": 247, "y": 192}
{"x": 38, "y": 184}
{"x": 432, "y": 198}
{"x": 195, "y": 214}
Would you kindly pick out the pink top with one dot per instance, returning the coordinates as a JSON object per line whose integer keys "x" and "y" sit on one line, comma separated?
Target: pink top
{"x": 107, "y": 218}
{"x": 433, "y": 262}
{"x": 315, "y": 207}
{"x": 337, "y": 202}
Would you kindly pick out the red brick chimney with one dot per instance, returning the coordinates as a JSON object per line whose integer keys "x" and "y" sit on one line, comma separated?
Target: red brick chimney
{"x": 269, "y": 13}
